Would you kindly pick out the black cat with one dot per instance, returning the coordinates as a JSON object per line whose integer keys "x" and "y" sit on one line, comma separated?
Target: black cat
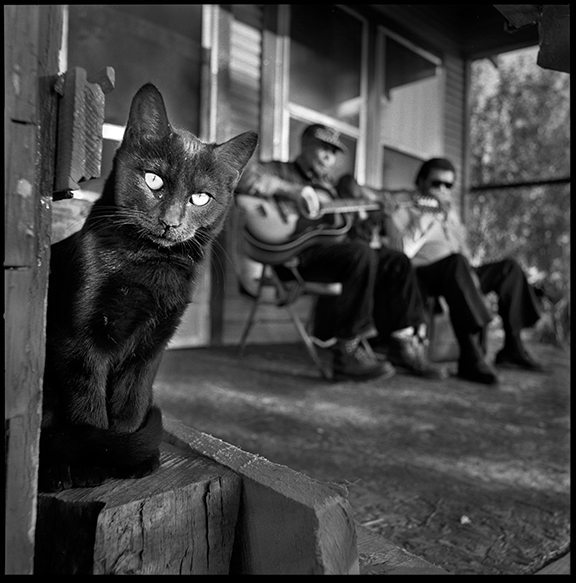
{"x": 117, "y": 290}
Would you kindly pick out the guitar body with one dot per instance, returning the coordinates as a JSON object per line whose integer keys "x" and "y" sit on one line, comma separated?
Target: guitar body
{"x": 280, "y": 222}
{"x": 279, "y": 225}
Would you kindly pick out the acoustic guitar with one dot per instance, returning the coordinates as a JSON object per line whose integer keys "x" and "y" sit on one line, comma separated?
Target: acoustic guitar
{"x": 281, "y": 225}
{"x": 275, "y": 225}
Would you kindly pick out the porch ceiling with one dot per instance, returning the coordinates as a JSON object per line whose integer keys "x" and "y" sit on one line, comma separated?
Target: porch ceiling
{"x": 473, "y": 30}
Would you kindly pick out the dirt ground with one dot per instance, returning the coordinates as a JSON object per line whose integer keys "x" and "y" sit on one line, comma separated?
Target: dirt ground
{"x": 473, "y": 479}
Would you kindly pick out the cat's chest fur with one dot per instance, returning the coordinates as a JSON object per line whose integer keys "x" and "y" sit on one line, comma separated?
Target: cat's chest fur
{"x": 128, "y": 300}
{"x": 121, "y": 270}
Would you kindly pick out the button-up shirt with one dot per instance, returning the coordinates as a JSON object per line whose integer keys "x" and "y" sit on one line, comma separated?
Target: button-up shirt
{"x": 429, "y": 235}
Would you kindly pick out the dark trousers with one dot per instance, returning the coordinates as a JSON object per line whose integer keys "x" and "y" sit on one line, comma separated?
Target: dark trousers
{"x": 353, "y": 264}
{"x": 396, "y": 301}
{"x": 518, "y": 306}
{"x": 452, "y": 278}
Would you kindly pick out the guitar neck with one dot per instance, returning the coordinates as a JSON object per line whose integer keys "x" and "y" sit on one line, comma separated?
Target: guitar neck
{"x": 348, "y": 206}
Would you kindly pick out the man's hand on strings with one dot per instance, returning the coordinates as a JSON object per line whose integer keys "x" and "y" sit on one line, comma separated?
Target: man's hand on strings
{"x": 309, "y": 202}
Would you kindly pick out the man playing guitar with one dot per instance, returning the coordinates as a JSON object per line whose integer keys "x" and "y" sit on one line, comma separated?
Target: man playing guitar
{"x": 288, "y": 209}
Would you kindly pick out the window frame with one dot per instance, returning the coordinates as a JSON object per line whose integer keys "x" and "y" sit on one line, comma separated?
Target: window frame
{"x": 382, "y": 34}
{"x": 288, "y": 110}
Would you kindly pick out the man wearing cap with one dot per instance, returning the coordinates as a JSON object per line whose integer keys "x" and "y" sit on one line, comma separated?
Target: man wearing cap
{"x": 374, "y": 282}
{"x": 436, "y": 243}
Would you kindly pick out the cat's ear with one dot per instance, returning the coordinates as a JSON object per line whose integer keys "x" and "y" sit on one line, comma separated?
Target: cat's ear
{"x": 236, "y": 152}
{"x": 148, "y": 117}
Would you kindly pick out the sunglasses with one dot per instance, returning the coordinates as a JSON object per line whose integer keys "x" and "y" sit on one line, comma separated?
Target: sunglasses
{"x": 439, "y": 183}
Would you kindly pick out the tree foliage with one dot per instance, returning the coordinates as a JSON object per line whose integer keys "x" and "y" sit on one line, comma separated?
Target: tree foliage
{"x": 520, "y": 132}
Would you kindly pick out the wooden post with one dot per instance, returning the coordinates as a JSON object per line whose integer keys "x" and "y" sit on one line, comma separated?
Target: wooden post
{"x": 288, "y": 523}
{"x": 32, "y": 36}
{"x": 179, "y": 520}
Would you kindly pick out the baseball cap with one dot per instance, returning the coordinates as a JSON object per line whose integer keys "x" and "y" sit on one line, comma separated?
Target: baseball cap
{"x": 324, "y": 134}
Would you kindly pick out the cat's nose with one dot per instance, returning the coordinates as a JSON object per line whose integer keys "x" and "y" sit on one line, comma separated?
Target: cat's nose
{"x": 167, "y": 224}
{"x": 171, "y": 217}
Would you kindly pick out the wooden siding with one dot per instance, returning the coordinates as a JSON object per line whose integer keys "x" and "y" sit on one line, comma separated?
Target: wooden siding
{"x": 455, "y": 124}
{"x": 245, "y": 61}
{"x": 454, "y": 109}
{"x": 412, "y": 120}
{"x": 273, "y": 324}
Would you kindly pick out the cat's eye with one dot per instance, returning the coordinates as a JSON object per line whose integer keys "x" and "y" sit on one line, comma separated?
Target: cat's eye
{"x": 153, "y": 181}
{"x": 200, "y": 199}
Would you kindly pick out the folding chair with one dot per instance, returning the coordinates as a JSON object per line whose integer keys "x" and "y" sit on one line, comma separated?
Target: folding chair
{"x": 286, "y": 293}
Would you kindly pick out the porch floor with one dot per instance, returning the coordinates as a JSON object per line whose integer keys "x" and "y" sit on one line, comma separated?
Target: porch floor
{"x": 473, "y": 479}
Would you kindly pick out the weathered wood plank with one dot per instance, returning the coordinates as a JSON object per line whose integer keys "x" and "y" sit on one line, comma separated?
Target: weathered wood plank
{"x": 21, "y": 485}
{"x": 559, "y": 567}
{"x": 24, "y": 357}
{"x": 80, "y": 120}
{"x": 21, "y": 28}
{"x": 33, "y": 35}
{"x": 23, "y": 342}
{"x": 288, "y": 523}
{"x": 21, "y": 195}
{"x": 379, "y": 556}
{"x": 180, "y": 520}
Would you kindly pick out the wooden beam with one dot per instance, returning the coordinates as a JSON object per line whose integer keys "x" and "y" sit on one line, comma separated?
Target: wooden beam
{"x": 554, "y": 50}
{"x": 180, "y": 520}
{"x": 519, "y": 15}
{"x": 288, "y": 523}
{"x": 379, "y": 556}
{"x": 523, "y": 184}
{"x": 558, "y": 567}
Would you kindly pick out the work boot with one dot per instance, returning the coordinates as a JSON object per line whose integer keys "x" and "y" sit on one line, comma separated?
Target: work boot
{"x": 409, "y": 352}
{"x": 516, "y": 356}
{"x": 472, "y": 364}
{"x": 351, "y": 359}
{"x": 478, "y": 371}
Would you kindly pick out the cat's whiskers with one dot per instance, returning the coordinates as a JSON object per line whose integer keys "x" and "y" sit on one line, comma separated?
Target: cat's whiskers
{"x": 216, "y": 259}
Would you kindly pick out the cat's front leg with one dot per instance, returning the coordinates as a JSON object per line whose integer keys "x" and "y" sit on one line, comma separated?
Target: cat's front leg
{"x": 143, "y": 469}
{"x": 63, "y": 476}
{"x": 58, "y": 476}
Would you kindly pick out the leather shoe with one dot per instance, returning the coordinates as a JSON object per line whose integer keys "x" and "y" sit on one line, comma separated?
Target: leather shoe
{"x": 410, "y": 354}
{"x": 477, "y": 372}
{"x": 517, "y": 359}
{"x": 352, "y": 360}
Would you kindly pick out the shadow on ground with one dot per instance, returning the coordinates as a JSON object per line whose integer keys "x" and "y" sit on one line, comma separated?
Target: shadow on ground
{"x": 473, "y": 479}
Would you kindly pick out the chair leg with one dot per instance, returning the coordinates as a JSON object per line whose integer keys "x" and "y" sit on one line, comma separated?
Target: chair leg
{"x": 326, "y": 372}
{"x": 251, "y": 315}
{"x": 286, "y": 299}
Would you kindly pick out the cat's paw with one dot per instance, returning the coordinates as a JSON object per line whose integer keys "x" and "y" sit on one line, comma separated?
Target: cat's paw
{"x": 143, "y": 469}
{"x": 62, "y": 476}
{"x": 54, "y": 477}
{"x": 87, "y": 476}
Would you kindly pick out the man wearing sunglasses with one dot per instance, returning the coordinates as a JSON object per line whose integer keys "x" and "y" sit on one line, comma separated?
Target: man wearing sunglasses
{"x": 435, "y": 240}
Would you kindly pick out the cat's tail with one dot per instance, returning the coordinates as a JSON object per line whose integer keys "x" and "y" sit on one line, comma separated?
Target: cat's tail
{"x": 106, "y": 447}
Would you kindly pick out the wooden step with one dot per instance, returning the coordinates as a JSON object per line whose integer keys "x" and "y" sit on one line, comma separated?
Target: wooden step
{"x": 179, "y": 520}
{"x": 559, "y": 567}
{"x": 378, "y": 556}
{"x": 288, "y": 522}
{"x": 211, "y": 508}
